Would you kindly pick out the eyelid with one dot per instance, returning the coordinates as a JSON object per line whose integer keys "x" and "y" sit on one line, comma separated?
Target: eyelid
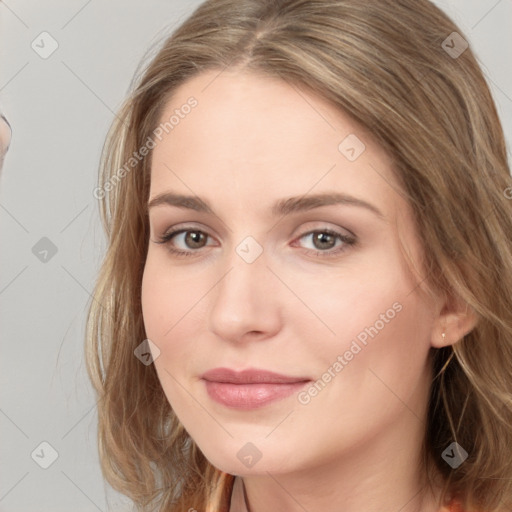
{"x": 185, "y": 226}
{"x": 321, "y": 225}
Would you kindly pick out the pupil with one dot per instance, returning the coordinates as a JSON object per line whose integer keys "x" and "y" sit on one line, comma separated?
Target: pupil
{"x": 323, "y": 241}
{"x": 194, "y": 239}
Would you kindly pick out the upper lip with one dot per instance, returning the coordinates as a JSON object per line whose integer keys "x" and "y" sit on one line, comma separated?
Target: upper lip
{"x": 249, "y": 376}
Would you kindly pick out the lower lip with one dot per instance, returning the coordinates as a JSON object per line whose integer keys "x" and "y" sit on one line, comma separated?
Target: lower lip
{"x": 250, "y": 396}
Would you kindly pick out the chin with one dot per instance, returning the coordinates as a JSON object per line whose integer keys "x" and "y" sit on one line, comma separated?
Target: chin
{"x": 246, "y": 458}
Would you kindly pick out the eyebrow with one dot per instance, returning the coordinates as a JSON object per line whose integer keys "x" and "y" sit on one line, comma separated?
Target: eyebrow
{"x": 280, "y": 208}
{"x": 181, "y": 201}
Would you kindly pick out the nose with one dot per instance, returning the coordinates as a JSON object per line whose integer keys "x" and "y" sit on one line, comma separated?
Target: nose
{"x": 246, "y": 302}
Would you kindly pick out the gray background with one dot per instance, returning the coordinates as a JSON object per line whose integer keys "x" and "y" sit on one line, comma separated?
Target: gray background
{"x": 60, "y": 109}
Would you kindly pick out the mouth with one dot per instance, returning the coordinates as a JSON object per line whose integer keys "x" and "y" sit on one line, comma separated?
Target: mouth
{"x": 250, "y": 389}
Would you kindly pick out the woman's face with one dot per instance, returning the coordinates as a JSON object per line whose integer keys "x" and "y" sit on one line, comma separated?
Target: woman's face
{"x": 286, "y": 259}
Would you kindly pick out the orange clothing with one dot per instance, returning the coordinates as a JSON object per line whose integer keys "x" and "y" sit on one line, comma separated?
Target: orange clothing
{"x": 239, "y": 500}
{"x": 452, "y": 507}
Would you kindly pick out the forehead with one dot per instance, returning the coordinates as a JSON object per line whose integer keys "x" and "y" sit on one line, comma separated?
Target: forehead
{"x": 262, "y": 137}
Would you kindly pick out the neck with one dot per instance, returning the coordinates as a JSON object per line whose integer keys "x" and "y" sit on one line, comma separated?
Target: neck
{"x": 378, "y": 475}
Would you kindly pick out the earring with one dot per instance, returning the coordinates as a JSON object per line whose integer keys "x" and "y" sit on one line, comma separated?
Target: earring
{"x": 443, "y": 335}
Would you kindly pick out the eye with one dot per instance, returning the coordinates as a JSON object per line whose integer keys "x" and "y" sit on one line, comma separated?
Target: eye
{"x": 322, "y": 240}
{"x": 185, "y": 242}
{"x": 326, "y": 242}
{"x": 191, "y": 239}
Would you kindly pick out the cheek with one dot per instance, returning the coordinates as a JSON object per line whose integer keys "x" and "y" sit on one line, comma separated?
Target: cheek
{"x": 168, "y": 296}
{"x": 173, "y": 313}
{"x": 336, "y": 305}
{"x": 379, "y": 359}
{"x": 371, "y": 317}
{"x": 155, "y": 300}
{"x": 374, "y": 370}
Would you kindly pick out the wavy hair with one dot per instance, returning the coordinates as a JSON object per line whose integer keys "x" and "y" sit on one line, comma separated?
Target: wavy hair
{"x": 388, "y": 65}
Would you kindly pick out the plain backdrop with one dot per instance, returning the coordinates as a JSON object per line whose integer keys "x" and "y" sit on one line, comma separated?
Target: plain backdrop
{"x": 60, "y": 108}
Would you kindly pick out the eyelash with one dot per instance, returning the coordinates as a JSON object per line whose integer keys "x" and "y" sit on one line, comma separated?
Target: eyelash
{"x": 347, "y": 240}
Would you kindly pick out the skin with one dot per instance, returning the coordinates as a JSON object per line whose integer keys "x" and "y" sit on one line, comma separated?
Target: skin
{"x": 251, "y": 141}
{"x": 5, "y": 138}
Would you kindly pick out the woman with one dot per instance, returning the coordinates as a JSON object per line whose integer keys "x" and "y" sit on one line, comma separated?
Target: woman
{"x": 306, "y": 299}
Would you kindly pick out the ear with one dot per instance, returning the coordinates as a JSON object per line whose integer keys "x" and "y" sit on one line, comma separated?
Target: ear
{"x": 455, "y": 320}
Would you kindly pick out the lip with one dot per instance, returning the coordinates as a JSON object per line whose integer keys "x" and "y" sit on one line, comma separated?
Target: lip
{"x": 249, "y": 376}
{"x": 250, "y": 389}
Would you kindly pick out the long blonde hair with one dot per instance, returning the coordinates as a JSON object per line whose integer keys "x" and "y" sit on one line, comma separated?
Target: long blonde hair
{"x": 390, "y": 65}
